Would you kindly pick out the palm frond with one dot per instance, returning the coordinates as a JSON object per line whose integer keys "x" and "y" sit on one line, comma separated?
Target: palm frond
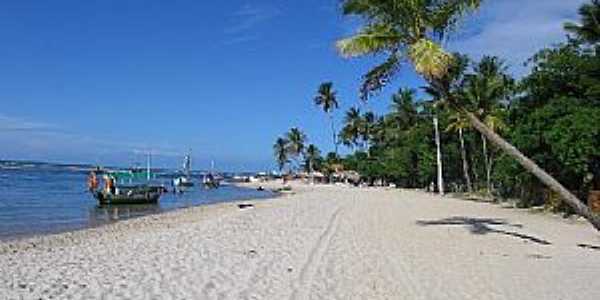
{"x": 356, "y": 7}
{"x": 444, "y": 16}
{"x": 457, "y": 122}
{"x": 374, "y": 38}
{"x": 379, "y": 76}
{"x": 429, "y": 58}
{"x": 495, "y": 122}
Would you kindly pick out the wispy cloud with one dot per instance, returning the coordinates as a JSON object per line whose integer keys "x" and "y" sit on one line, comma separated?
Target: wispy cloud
{"x": 245, "y": 21}
{"x": 241, "y": 39}
{"x": 516, "y": 29}
{"x": 17, "y": 124}
{"x": 22, "y": 138}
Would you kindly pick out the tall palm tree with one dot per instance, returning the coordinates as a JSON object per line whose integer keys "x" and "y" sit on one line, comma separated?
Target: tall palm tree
{"x": 449, "y": 83}
{"x": 459, "y": 124}
{"x": 483, "y": 92}
{"x": 326, "y": 98}
{"x": 403, "y": 108}
{"x": 412, "y": 31}
{"x": 313, "y": 154}
{"x": 438, "y": 147}
{"x": 296, "y": 144}
{"x": 367, "y": 129}
{"x": 589, "y": 29}
{"x": 280, "y": 151}
{"x": 351, "y": 132}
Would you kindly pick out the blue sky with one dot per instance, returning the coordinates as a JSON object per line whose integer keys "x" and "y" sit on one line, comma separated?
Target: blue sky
{"x": 105, "y": 81}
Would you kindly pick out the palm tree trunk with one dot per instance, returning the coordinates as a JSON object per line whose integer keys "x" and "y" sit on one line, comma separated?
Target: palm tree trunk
{"x": 311, "y": 170}
{"x": 578, "y": 206}
{"x": 476, "y": 180}
{"x": 463, "y": 152}
{"x": 490, "y": 171}
{"x": 486, "y": 163}
{"x": 335, "y": 143}
{"x": 440, "y": 176}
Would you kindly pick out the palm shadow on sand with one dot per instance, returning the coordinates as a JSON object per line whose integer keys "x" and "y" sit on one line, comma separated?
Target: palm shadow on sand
{"x": 482, "y": 226}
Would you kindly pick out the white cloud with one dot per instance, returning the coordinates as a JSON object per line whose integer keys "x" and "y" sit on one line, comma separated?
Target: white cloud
{"x": 245, "y": 20}
{"x": 516, "y": 29}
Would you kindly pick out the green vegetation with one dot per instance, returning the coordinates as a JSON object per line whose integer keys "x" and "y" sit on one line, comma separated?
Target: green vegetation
{"x": 291, "y": 150}
{"x": 536, "y": 139}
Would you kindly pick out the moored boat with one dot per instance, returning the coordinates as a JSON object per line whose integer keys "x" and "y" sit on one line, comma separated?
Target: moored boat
{"x": 182, "y": 182}
{"x": 209, "y": 181}
{"x": 138, "y": 194}
{"x": 185, "y": 181}
{"x": 125, "y": 187}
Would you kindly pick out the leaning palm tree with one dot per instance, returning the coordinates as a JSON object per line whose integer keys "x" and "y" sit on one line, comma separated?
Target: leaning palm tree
{"x": 280, "y": 151}
{"x": 412, "y": 31}
{"x": 589, "y": 29}
{"x": 326, "y": 98}
{"x": 296, "y": 144}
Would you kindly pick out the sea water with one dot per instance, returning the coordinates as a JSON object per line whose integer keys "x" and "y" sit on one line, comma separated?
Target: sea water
{"x": 43, "y": 199}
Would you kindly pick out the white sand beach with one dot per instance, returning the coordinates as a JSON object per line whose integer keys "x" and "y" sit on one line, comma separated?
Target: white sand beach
{"x": 324, "y": 242}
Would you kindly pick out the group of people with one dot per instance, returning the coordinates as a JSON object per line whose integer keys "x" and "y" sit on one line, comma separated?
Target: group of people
{"x": 93, "y": 183}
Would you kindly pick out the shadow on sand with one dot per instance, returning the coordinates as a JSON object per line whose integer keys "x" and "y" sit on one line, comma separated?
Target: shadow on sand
{"x": 482, "y": 226}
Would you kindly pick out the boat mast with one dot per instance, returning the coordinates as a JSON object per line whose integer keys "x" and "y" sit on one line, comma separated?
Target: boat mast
{"x": 187, "y": 164}
{"x": 148, "y": 165}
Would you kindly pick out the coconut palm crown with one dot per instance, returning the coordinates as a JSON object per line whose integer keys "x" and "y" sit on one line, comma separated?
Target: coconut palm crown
{"x": 404, "y": 31}
{"x": 296, "y": 142}
{"x": 326, "y": 97}
{"x": 280, "y": 151}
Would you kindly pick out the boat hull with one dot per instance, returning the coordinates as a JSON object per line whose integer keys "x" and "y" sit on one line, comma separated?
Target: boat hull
{"x": 139, "y": 196}
{"x": 183, "y": 182}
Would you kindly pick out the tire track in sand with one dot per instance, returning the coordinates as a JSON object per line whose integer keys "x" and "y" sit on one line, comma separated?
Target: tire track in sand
{"x": 307, "y": 274}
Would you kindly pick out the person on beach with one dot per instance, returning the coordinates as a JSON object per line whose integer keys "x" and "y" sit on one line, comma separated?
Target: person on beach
{"x": 109, "y": 184}
{"x": 92, "y": 181}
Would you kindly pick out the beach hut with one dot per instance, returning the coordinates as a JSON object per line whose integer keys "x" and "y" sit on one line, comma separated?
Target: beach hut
{"x": 348, "y": 177}
{"x": 318, "y": 177}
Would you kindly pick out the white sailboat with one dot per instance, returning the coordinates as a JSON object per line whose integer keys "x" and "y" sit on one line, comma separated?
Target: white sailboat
{"x": 210, "y": 180}
{"x": 186, "y": 180}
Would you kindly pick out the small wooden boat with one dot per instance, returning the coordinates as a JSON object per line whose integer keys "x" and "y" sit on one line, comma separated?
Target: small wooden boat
{"x": 141, "y": 194}
{"x": 125, "y": 187}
